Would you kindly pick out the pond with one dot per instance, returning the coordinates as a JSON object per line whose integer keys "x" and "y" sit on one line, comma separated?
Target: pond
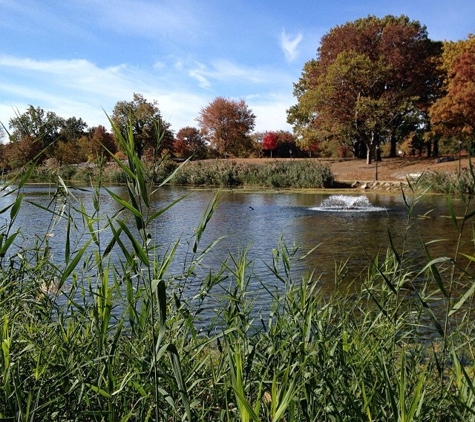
{"x": 347, "y": 228}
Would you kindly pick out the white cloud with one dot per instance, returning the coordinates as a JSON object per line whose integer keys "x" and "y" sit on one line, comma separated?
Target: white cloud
{"x": 225, "y": 71}
{"x": 289, "y": 44}
{"x": 271, "y": 111}
{"x": 82, "y": 89}
{"x": 146, "y": 18}
{"x": 201, "y": 75}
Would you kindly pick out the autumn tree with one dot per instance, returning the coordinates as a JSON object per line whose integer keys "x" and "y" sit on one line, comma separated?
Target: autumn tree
{"x": 454, "y": 113}
{"x": 363, "y": 88}
{"x": 189, "y": 143}
{"x": 98, "y": 143}
{"x": 226, "y": 124}
{"x": 35, "y": 126}
{"x": 149, "y": 129}
{"x": 67, "y": 150}
{"x": 287, "y": 145}
{"x": 270, "y": 142}
{"x": 19, "y": 153}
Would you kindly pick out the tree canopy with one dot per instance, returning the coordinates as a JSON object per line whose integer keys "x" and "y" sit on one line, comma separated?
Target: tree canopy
{"x": 36, "y": 125}
{"x": 454, "y": 112}
{"x": 149, "y": 129}
{"x": 189, "y": 143}
{"x": 226, "y": 124}
{"x": 363, "y": 88}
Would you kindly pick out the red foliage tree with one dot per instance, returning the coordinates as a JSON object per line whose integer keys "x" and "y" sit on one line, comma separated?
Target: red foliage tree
{"x": 270, "y": 142}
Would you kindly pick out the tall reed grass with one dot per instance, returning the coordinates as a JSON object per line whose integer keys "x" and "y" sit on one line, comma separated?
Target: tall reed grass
{"x": 108, "y": 335}
{"x": 277, "y": 174}
{"x": 449, "y": 182}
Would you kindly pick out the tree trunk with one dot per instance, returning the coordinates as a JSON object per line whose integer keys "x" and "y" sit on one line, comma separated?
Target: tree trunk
{"x": 436, "y": 146}
{"x": 393, "y": 142}
{"x": 370, "y": 150}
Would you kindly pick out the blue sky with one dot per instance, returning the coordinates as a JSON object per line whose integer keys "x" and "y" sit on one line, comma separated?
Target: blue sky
{"x": 79, "y": 57}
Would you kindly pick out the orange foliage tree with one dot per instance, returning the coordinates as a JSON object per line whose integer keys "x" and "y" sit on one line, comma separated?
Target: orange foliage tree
{"x": 226, "y": 124}
{"x": 454, "y": 113}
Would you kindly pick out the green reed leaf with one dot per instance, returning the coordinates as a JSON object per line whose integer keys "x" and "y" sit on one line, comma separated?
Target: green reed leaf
{"x": 139, "y": 250}
{"x": 73, "y": 264}
{"x": 161, "y": 211}
{"x": 124, "y": 203}
{"x": 175, "y": 361}
{"x": 212, "y": 206}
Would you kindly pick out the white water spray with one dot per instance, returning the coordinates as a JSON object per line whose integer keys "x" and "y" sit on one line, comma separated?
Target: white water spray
{"x": 347, "y": 203}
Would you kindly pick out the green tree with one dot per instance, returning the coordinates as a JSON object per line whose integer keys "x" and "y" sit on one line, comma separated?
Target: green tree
{"x": 36, "y": 126}
{"x": 227, "y": 124}
{"x": 363, "y": 88}
{"x": 151, "y": 132}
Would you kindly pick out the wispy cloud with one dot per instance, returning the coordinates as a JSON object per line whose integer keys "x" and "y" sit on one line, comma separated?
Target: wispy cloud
{"x": 289, "y": 44}
{"x": 146, "y": 18}
{"x": 230, "y": 72}
{"x": 83, "y": 89}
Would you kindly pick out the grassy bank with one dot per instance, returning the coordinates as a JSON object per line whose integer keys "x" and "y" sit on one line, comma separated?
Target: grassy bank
{"x": 108, "y": 335}
{"x": 210, "y": 173}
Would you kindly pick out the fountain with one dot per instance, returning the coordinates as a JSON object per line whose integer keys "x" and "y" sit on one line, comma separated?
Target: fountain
{"x": 347, "y": 203}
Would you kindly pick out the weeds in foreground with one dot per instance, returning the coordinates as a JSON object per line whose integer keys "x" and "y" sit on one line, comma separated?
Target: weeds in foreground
{"x": 106, "y": 334}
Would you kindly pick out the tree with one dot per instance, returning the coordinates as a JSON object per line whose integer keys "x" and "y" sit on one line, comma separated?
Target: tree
{"x": 363, "y": 89}
{"x": 454, "y": 113}
{"x": 270, "y": 142}
{"x": 189, "y": 143}
{"x": 67, "y": 150}
{"x": 36, "y": 126}
{"x": 149, "y": 129}
{"x": 226, "y": 124}
{"x": 18, "y": 153}
{"x": 97, "y": 143}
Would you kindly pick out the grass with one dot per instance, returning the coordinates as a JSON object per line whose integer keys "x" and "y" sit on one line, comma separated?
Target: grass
{"x": 276, "y": 174}
{"x": 106, "y": 334}
{"x": 213, "y": 173}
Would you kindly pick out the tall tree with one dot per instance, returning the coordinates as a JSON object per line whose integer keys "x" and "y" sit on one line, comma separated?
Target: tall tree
{"x": 454, "y": 113}
{"x": 36, "y": 126}
{"x": 189, "y": 143}
{"x": 363, "y": 85}
{"x": 149, "y": 129}
{"x": 226, "y": 124}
